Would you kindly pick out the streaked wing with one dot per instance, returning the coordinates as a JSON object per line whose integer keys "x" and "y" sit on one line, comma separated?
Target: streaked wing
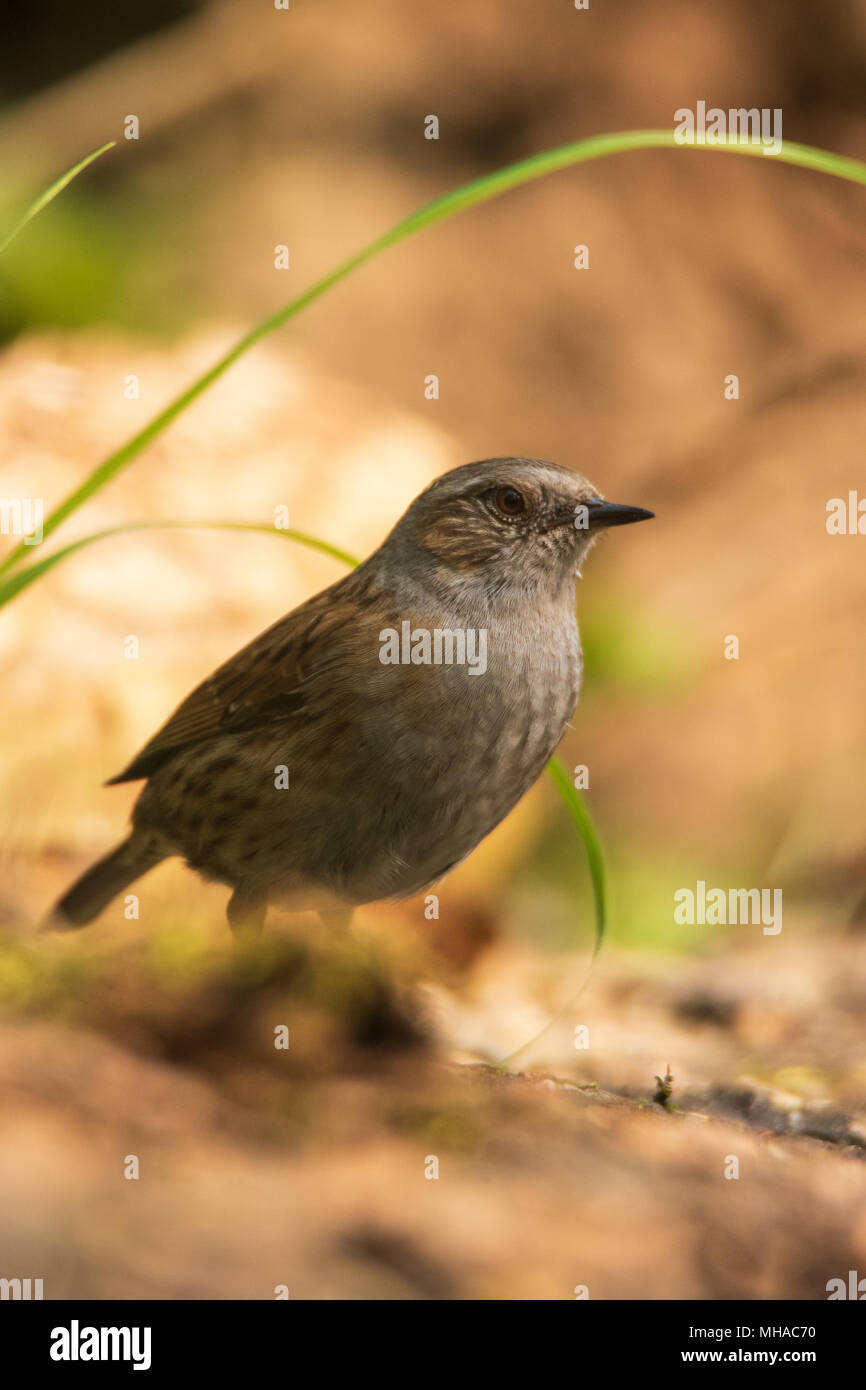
{"x": 263, "y": 681}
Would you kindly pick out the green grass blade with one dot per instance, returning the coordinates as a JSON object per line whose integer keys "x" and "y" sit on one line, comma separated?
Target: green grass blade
{"x": 23, "y": 578}
{"x": 579, "y": 813}
{"x": 51, "y": 193}
{"x": 470, "y": 195}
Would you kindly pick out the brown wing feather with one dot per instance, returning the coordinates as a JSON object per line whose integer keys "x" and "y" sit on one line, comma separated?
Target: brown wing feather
{"x": 263, "y": 680}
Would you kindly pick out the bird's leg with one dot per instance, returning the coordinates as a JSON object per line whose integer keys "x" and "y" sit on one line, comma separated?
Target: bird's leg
{"x": 246, "y": 911}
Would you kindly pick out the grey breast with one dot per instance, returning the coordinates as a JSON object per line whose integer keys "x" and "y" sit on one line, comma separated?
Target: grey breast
{"x": 464, "y": 752}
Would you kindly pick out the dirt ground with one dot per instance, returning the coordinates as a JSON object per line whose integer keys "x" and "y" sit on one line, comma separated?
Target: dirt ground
{"x": 375, "y": 1159}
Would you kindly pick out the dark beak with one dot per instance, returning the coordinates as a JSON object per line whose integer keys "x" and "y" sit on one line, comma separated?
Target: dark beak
{"x": 594, "y": 513}
{"x": 603, "y": 513}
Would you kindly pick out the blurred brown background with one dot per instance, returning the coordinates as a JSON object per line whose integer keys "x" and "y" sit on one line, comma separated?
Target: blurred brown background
{"x": 306, "y": 127}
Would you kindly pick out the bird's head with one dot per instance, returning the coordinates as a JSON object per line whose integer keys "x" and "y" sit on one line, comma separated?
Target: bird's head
{"x": 504, "y": 523}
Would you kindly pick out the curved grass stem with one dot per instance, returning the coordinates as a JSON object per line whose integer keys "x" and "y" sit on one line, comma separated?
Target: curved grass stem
{"x": 51, "y": 193}
{"x": 470, "y": 195}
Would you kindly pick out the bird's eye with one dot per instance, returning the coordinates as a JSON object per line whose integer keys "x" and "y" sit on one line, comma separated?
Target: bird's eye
{"x": 509, "y": 501}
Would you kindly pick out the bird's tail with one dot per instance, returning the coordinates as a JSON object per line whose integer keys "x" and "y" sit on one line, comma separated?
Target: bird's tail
{"x": 103, "y": 881}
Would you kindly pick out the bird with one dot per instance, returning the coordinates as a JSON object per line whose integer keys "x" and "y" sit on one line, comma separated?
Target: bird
{"x": 363, "y": 745}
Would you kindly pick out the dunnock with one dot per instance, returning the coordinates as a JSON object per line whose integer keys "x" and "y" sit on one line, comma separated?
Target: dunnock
{"x": 364, "y": 744}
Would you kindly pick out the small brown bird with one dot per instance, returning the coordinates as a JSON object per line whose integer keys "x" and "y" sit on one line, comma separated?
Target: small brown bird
{"x": 362, "y": 746}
